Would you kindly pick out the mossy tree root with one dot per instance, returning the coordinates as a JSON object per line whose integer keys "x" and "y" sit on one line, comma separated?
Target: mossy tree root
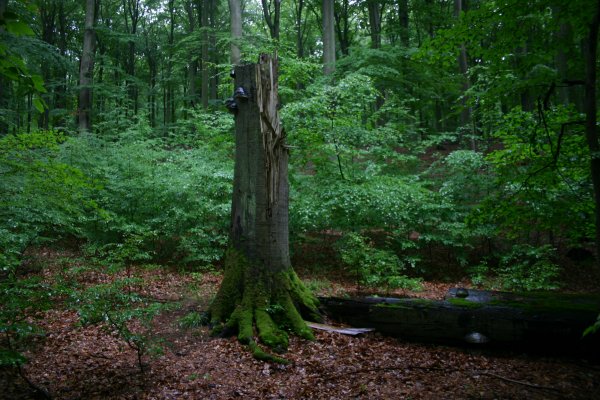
{"x": 272, "y": 302}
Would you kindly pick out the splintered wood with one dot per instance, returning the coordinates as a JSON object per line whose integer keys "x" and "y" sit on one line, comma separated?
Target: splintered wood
{"x": 272, "y": 132}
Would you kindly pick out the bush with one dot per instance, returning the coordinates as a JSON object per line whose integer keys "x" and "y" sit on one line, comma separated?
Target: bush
{"x": 174, "y": 202}
{"x": 120, "y": 309}
{"x": 525, "y": 267}
{"x": 374, "y": 267}
{"x": 42, "y": 199}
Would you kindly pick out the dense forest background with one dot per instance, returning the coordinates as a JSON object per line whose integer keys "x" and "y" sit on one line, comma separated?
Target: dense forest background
{"x": 430, "y": 139}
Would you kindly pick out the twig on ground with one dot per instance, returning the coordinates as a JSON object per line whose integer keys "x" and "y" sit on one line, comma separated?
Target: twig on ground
{"x": 531, "y": 385}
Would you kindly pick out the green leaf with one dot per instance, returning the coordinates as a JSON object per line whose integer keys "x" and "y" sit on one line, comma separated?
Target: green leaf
{"x": 39, "y": 104}
{"x": 19, "y": 28}
{"x": 38, "y": 83}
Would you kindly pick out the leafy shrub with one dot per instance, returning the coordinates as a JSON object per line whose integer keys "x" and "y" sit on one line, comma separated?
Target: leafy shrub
{"x": 173, "y": 203}
{"x": 42, "y": 199}
{"x": 525, "y": 267}
{"x": 118, "y": 307}
{"x": 20, "y": 299}
{"x": 529, "y": 268}
{"x": 374, "y": 267}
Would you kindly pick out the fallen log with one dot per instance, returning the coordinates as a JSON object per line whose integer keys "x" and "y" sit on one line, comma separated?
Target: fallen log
{"x": 549, "y": 323}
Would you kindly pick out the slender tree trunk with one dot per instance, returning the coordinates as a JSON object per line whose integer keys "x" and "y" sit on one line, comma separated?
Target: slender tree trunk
{"x": 590, "y": 106}
{"x": 48, "y": 20}
{"x": 205, "y": 62}
{"x": 342, "y": 25}
{"x": 192, "y": 68}
{"x": 403, "y": 16}
{"x": 133, "y": 12}
{"x": 213, "y": 53}
{"x": 258, "y": 272}
{"x": 171, "y": 81}
{"x": 4, "y": 83}
{"x": 563, "y": 36}
{"x": 272, "y": 16}
{"x": 235, "y": 10}
{"x": 463, "y": 67}
{"x": 300, "y": 27}
{"x": 151, "y": 52}
{"x": 86, "y": 68}
{"x": 328, "y": 38}
{"x": 374, "y": 23}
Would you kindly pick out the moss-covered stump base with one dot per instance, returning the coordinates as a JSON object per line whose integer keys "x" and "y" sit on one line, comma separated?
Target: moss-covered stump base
{"x": 255, "y": 302}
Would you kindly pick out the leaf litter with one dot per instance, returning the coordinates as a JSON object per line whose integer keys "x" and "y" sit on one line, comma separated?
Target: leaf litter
{"x": 90, "y": 362}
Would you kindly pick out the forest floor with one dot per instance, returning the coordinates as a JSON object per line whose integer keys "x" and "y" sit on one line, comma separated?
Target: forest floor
{"x": 71, "y": 361}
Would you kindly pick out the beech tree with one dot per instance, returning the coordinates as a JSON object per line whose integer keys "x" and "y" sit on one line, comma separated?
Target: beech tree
{"x": 86, "y": 69}
{"x": 260, "y": 289}
{"x": 328, "y": 38}
{"x": 235, "y": 11}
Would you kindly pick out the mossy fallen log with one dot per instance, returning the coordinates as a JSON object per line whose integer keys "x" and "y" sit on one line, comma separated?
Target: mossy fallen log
{"x": 548, "y": 323}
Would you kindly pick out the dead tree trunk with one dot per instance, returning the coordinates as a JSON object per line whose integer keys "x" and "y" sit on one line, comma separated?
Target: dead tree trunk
{"x": 548, "y": 323}
{"x": 260, "y": 288}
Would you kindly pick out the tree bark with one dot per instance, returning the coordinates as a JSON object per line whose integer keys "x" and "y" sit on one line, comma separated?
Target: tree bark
{"x": 373, "y": 7}
{"x": 213, "y": 53}
{"x": 403, "y": 16}
{"x": 342, "y": 25}
{"x": 301, "y": 26}
{"x": 133, "y": 12}
{"x": 463, "y": 67}
{"x": 545, "y": 322}
{"x": 86, "y": 68}
{"x": 4, "y": 83}
{"x": 193, "y": 65}
{"x": 328, "y": 38}
{"x": 260, "y": 287}
{"x": 204, "y": 50}
{"x": 235, "y": 10}
{"x": 590, "y": 108}
{"x": 272, "y": 16}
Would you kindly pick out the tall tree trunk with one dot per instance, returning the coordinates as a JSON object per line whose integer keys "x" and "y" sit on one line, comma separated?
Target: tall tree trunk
{"x": 170, "y": 100}
{"x": 272, "y": 16}
{"x": 328, "y": 38}
{"x": 151, "y": 53}
{"x": 373, "y": 7}
{"x": 48, "y": 20}
{"x": 463, "y": 67}
{"x": 213, "y": 53}
{"x": 342, "y": 25}
{"x": 258, "y": 272}
{"x": 133, "y": 12}
{"x": 403, "y": 16}
{"x": 564, "y": 37}
{"x": 590, "y": 106}
{"x": 86, "y": 68}
{"x": 235, "y": 10}
{"x": 192, "y": 68}
{"x": 205, "y": 63}
{"x": 4, "y": 83}
{"x": 300, "y": 24}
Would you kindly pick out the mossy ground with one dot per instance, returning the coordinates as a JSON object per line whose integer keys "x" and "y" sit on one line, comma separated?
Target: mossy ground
{"x": 255, "y": 302}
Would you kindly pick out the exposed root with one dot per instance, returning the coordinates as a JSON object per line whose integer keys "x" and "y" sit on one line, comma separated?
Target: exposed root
{"x": 253, "y": 302}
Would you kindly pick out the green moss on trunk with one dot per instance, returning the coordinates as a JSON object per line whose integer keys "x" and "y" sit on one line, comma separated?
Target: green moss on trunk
{"x": 255, "y": 302}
